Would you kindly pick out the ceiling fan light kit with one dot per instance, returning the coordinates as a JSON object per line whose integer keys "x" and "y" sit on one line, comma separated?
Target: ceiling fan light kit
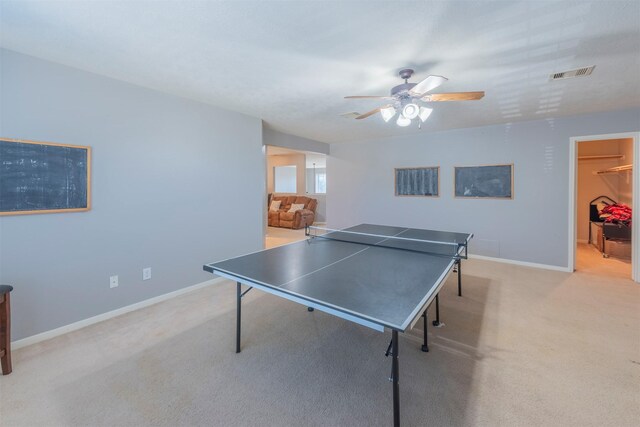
{"x": 425, "y": 113}
{"x": 410, "y": 111}
{"x": 406, "y": 98}
{"x": 387, "y": 113}
{"x": 403, "y": 121}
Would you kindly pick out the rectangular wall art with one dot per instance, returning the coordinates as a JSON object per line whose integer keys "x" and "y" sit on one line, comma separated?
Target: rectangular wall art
{"x": 44, "y": 177}
{"x": 423, "y": 181}
{"x": 492, "y": 181}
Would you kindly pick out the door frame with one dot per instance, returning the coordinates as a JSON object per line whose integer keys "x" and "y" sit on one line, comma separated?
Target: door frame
{"x": 573, "y": 182}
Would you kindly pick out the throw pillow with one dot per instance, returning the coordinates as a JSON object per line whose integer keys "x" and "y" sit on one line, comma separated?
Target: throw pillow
{"x": 296, "y": 207}
{"x": 601, "y": 205}
{"x": 275, "y": 205}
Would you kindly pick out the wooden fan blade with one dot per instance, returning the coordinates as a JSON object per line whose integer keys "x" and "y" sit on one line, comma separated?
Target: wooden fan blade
{"x": 370, "y": 113}
{"x": 454, "y": 96}
{"x": 427, "y": 84}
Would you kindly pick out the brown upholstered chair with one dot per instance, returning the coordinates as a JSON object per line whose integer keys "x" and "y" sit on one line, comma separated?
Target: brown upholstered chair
{"x": 5, "y": 329}
{"x": 295, "y": 220}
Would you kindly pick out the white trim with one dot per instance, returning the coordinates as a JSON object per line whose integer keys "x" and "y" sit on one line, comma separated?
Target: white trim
{"x": 571, "y": 214}
{"x": 572, "y": 223}
{"x": 635, "y": 236}
{"x": 33, "y": 339}
{"x": 522, "y": 263}
{"x": 428, "y": 299}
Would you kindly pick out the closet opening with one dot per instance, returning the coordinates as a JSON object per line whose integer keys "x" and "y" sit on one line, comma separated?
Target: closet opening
{"x": 605, "y": 242}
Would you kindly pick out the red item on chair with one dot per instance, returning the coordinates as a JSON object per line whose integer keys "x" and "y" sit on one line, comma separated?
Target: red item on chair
{"x": 618, "y": 213}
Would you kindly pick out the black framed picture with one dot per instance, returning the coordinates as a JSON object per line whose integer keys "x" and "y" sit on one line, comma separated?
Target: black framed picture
{"x": 422, "y": 181}
{"x": 484, "y": 182}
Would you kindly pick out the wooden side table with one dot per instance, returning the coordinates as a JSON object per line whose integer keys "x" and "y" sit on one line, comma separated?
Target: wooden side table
{"x": 5, "y": 329}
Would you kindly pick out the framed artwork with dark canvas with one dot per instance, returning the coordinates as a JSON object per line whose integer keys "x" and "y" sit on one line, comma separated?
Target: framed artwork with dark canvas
{"x": 484, "y": 182}
{"x": 44, "y": 177}
{"x": 421, "y": 181}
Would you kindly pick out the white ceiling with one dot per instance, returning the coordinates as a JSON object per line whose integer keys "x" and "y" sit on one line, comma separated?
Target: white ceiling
{"x": 292, "y": 62}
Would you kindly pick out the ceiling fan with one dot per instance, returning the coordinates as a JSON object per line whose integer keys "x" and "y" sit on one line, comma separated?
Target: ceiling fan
{"x": 406, "y": 99}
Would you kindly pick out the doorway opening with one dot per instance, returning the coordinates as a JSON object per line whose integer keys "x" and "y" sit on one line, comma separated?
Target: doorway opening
{"x": 604, "y": 241}
{"x": 296, "y": 193}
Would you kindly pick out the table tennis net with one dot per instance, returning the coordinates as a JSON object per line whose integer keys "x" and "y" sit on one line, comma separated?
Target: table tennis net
{"x": 435, "y": 247}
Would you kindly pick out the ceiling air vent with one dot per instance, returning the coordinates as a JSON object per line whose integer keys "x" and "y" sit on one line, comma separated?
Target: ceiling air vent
{"x": 578, "y": 72}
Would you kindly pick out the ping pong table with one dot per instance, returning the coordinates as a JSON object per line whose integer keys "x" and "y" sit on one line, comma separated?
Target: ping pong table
{"x": 374, "y": 275}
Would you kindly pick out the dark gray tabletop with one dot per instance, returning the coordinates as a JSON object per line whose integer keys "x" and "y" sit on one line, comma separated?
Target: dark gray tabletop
{"x": 387, "y": 286}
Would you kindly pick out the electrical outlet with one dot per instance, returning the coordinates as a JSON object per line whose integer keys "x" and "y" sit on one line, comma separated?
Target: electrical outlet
{"x": 146, "y": 273}
{"x": 113, "y": 281}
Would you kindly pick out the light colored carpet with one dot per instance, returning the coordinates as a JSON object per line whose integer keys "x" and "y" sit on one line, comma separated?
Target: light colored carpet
{"x": 590, "y": 260}
{"x": 277, "y": 236}
{"x": 522, "y": 347}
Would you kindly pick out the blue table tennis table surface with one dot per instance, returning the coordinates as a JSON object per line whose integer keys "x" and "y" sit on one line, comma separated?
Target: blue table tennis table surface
{"x": 365, "y": 278}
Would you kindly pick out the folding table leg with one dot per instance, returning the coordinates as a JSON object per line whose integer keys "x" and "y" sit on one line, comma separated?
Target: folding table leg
{"x": 238, "y": 316}
{"x": 425, "y": 347}
{"x": 396, "y": 387}
{"x": 437, "y": 321}
{"x": 459, "y": 278}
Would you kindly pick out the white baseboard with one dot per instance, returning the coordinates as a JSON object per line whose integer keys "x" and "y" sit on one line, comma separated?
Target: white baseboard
{"x": 33, "y": 339}
{"x": 522, "y": 263}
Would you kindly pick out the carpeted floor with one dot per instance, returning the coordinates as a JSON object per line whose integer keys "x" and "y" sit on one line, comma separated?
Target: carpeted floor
{"x": 590, "y": 260}
{"x": 522, "y": 347}
{"x": 277, "y": 236}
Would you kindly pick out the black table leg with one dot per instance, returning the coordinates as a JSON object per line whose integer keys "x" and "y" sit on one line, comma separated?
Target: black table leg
{"x": 459, "y": 278}
{"x": 437, "y": 321}
{"x": 238, "y": 316}
{"x": 396, "y": 373}
{"x": 425, "y": 346}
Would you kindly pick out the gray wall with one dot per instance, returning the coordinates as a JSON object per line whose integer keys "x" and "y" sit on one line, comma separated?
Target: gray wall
{"x": 279, "y": 139}
{"x": 175, "y": 184}
{"x": 532, "y": 227}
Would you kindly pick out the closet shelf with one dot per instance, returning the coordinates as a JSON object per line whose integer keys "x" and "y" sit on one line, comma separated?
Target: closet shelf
{"x": 616, "y": 169}
{"x": 602, "y": 157}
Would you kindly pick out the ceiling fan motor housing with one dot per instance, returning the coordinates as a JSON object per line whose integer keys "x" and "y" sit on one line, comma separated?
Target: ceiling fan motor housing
{"x": 402, "y": 90}
{"x": 406, "y": 73}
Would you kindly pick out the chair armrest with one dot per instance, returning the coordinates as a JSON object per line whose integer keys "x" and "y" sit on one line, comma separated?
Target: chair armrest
{"x": 303, "y": 217}
{"x": 304, "y": 212}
